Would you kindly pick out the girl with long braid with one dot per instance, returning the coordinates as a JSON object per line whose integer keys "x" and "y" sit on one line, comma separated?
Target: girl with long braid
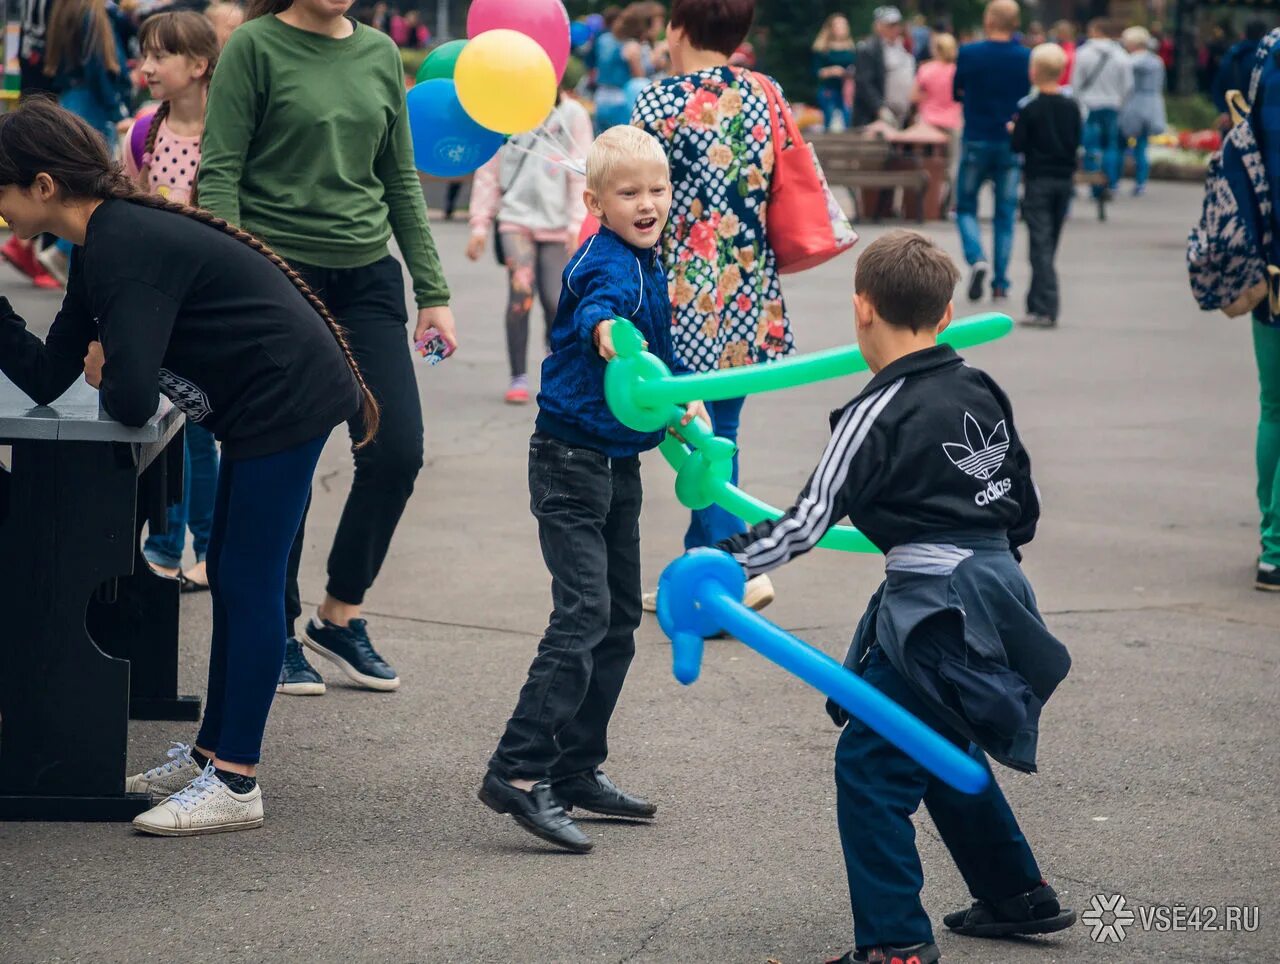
{"x": 179, "y": 52}
{"x": 216, "y": 321}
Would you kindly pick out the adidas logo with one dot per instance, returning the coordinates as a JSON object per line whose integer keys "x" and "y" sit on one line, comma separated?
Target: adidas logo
{"x": 979, "y": 455}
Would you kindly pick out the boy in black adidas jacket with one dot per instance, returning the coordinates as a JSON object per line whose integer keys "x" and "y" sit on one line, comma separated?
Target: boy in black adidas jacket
{"x": 927, "y": 463}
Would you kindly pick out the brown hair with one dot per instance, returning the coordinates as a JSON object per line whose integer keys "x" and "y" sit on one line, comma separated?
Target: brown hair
{"x": 719, "y": 25}
{"x": 633, "y": 22}
{"x": 41, "y": 137}
{"x": 260, "y": 8}
{"x": 187, "y": 34}
{"x": 908, "y": 279}
{"x": 66, "y": 39}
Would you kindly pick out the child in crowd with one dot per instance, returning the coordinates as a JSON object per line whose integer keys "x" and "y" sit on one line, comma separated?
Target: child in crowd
{"x": 1046, "y": 132}
{"x": 179, "y": 52}
{"x": 233, "y": 336}
{"x": 584, "y": 485}
{"x": 927, "y": 463}
{"x": 537, "y": 206}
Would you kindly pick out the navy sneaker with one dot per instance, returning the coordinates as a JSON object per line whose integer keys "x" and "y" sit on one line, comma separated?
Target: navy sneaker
{"x": 297, "y": 677}
{"x": 349, "y": 647}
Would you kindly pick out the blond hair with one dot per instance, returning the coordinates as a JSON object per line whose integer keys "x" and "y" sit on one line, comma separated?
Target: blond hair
{"x": 1136, "y": 38}
{"x": 1004, "y": 15}
{"x": 822, "y": 43}
{"x": 616, "y": 147}
{"x": 943, "y": 47}
{"x": 1048, "y": 61}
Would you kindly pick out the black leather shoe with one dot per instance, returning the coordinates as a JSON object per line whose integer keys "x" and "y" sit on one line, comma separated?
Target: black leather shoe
{"x": 537, "y": 810}
{"x": 597, "y": 793}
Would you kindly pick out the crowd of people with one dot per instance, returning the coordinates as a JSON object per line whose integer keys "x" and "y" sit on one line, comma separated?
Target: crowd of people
{"x": 268, "y": 175}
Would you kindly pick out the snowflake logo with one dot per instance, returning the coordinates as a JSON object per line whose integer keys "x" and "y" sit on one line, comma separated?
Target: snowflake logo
{"x": 1107, "y": 918}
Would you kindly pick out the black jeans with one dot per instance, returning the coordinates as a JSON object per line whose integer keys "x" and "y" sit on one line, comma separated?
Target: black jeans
{"x": 369, "y": 303}
{"x": 1044, "y": 206}
{"x": 588, "y": 512}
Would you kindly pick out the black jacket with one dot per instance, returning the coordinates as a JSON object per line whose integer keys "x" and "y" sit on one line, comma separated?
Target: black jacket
{"x": 868, "y": 73}
{"x": 928, "y": 446}
{"x": 927, "y": 463}
{"x": 1047, "y": 134}
{"x": 185, "y": 310}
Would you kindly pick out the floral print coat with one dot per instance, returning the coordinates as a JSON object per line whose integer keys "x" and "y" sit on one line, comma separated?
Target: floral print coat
{"x": 722, "y": 275}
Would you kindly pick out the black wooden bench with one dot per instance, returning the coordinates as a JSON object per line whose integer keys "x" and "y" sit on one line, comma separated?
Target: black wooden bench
{"x": 90, "y": 635}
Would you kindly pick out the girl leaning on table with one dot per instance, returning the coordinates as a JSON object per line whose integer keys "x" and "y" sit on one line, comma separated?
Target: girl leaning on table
{"x": 213, "y": 319}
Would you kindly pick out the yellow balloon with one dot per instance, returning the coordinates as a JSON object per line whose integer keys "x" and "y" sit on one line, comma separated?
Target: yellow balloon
{"x": 505, "y": 81}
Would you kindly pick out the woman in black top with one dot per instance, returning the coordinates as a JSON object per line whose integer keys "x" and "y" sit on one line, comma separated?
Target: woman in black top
{"x": 166, "y": 299}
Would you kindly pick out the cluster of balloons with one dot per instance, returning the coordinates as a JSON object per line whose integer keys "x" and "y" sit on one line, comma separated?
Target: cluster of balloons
{"x": 582, "y": 32}
{"x": 472, "y": 94}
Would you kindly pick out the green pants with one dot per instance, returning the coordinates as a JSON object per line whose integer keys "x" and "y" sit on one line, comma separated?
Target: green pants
{"x": 1266, "y": 348}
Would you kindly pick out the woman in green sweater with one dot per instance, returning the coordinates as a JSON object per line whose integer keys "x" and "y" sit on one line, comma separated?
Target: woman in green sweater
{"x": 306, "y": 145}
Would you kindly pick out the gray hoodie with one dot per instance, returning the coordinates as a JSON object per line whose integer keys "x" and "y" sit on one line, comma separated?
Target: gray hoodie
{"x": 1102, "y": 76}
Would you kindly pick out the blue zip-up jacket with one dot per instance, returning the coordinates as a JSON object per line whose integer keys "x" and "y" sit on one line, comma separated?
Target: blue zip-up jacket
{"x": 607, "y": 278}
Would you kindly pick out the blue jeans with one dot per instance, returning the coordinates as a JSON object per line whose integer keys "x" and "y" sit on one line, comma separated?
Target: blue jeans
{"x": 831, "y": 102}
{"x": 256, "y": 514}
{"x": 982, "y": 161}
{"x": 195, "y": 511}
{"x": 1141, "y": 165}
{"x": 713, "y": 524}
{"x": 878, "y": 788}
{"x": 1102, "y": 145}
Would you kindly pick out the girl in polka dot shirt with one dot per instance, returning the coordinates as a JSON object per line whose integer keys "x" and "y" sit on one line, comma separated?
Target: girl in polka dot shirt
{"x": 179, "y": 53}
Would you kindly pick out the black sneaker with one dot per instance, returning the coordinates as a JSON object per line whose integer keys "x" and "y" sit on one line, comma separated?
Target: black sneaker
{"x": 1268, "y": 577}
{"x": 1038, "y": 321}
{"x": 1035, "y": 912}
{"x": 977, "y": 278}
{"x": 297, "y": 677}
{"x": 999, "y": 294}
{"x": 349, "y": 647}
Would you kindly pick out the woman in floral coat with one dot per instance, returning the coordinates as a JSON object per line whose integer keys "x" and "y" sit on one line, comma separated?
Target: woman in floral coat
{"x": 714, "y": 122}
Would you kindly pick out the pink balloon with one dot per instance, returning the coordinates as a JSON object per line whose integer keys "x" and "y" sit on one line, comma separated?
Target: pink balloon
{"x": 546, "y": 21}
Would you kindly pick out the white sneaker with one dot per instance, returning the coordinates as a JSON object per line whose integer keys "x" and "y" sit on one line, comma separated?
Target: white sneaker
{"x": 758, "y": 593}
{"x": 649, "y": 602}
{"x": 168, "y": 777}
{"x": 206, "y": 805}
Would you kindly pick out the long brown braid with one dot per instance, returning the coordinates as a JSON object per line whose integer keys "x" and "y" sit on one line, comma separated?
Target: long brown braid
{"x": 153, "y": 131}
{"x": 117, "y": 185}
{"x": 41, "y": 138}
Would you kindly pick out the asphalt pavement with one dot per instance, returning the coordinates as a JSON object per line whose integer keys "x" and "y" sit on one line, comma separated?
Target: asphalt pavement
{"x": 1158, "y": 756}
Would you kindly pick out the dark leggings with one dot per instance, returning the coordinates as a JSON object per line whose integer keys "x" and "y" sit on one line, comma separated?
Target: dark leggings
{"x": 369, "y": 303}
{"x": 256, "y": 513}
{"x": 533, "y": 267}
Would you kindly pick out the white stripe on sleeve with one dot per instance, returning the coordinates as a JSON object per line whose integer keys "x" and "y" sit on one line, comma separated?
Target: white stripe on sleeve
{"x": 801, "y": 531}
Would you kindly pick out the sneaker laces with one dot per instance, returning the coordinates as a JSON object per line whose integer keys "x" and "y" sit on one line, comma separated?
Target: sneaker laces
{"x": 198, "y": 790}
{"x": 364, "y": 645}
{"x": 179, "y": 756}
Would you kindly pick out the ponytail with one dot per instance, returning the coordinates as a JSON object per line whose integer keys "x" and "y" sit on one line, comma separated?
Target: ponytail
{"x": 41, "y": 137}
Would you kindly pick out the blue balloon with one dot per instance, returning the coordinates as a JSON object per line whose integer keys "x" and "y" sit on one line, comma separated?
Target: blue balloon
{"x": 595, "y": 22}
{"x": 579, "y": 34}
{"x": 446, "y": 141}
{"x": 700, "y": 594}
